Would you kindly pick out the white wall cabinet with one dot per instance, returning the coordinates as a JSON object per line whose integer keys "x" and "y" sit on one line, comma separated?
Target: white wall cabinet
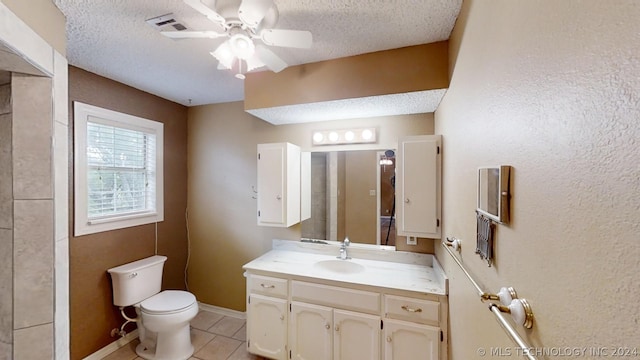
{"x": 331, "y": 322}
{"x": 279, "y": 184}
{"x": 418, "y": 186}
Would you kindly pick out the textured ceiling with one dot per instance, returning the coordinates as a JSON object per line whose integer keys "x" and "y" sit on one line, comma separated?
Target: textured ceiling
{"x": 112, "y": 39}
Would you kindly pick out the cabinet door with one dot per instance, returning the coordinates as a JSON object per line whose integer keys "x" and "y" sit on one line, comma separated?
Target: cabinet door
{"x": 356, "y": 336}
{"x": 278, "y": 184}
{"x": 418, "y": 186}
{"x": 271, "y": 184}
{"x": 410, "y": 341}
{"x": 267, "y": 326}
{"x": 311, "y": 331}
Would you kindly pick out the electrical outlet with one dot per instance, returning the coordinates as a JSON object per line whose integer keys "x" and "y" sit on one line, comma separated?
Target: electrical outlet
{"x": 412, "y": 240}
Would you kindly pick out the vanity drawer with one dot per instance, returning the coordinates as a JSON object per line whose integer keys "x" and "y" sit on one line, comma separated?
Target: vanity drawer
{"x": 337, "y": 297}
{"x": 266, "y": 285}
{"x": 414, "y": 310}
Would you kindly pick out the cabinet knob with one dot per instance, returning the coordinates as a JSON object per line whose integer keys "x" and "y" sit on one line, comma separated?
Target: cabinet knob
{"x": 281, "y": 317}
{"x": 327, "y": 326}
{"x": 278, "y": 197}
{"x": 267, "y": 286}
{"x": 337, "y": 328}
{"x": 388, "y": 339}
{"x": 406, "y": 200}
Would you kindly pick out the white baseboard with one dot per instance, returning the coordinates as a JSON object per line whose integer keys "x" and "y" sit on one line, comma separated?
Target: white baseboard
{"x": 113, "y": 346}
{"x": 223, "y": 311}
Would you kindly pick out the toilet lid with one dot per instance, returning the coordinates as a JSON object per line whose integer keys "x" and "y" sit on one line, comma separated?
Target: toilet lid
{"x": 168, "y": 301}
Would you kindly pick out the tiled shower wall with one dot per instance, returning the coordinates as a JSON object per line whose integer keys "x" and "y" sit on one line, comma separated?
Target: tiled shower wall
{"x": 316, "y": 226}
{"x": 26, "y": 219}
{"x": 6, "y": 225}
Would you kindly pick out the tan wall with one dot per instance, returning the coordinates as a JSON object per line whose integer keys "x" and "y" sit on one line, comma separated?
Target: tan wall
{"x": 550, "y": 88}
{"x": 396, "y": 71}
{"x": 47, "y": 21}
{"x": 93, "y": 314}
{"x": 222, "y": 171}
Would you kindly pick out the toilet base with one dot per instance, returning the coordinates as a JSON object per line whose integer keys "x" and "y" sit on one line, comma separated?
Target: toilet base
{"x": 171, "y": 345}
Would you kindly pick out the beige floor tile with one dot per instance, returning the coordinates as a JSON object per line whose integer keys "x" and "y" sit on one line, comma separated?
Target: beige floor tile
{"x": 241, "y": 334}
{"x": 200, "y": 338}
{"x": 205, "y": 319}
{"x": 220, "y": 348}
{"x": 242, "y": 354}
{"x": 227, "y": 326}
{"x": 127, "y": 352}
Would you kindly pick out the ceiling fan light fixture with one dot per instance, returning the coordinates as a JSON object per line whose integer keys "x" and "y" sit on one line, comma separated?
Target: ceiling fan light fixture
{"x": 224, "y": 55}
{"x": 242, "y": 46}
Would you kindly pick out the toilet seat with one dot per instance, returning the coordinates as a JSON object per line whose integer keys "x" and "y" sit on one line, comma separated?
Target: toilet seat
{"x": 168, "y": 302}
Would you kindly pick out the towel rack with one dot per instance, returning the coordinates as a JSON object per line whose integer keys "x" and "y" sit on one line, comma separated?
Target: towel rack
{"x": 495, "y": 309}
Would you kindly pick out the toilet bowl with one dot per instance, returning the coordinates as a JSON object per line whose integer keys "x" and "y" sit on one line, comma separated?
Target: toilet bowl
{"x": 164, "y": 326}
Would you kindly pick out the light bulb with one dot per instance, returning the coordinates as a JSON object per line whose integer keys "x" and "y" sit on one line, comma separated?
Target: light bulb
{"x": 367, "y": 134}
{"x": 317, "y": 137}
{"x": 242, "y": 46}
{"x": 349, "y": 135}
{"x": 333, "y": 136}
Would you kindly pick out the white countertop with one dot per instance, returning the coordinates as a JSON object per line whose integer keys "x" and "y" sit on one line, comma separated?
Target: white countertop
{"x": 420, "y": 273}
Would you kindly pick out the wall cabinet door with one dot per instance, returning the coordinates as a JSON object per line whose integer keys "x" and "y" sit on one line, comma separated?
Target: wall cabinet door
{"x": 410, "y": 341}
{"x": 356, "y": 336}
{"x": 267, "y": 326}
{"x": 311, "y": 332}
{"x": 418, "y": 185}
{"x": 278, "y": 184}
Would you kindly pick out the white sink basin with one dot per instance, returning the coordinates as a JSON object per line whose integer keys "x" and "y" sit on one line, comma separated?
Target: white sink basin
{"x": 339, "y": 266}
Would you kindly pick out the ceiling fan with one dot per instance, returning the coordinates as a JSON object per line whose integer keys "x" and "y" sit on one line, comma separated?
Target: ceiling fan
{"x": 244, "y": 21}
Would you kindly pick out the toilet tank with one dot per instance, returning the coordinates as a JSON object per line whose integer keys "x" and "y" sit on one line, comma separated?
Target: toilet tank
{"x": 136, "y": 281}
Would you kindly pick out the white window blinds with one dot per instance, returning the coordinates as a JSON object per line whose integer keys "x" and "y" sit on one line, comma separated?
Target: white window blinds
{"x": 120, "y": 171}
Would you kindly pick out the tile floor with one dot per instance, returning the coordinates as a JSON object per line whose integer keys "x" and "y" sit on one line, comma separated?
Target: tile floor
{"x": 214, "y": 337}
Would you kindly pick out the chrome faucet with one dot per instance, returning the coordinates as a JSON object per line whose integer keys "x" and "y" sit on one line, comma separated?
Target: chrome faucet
{"x": 344, "y": 255}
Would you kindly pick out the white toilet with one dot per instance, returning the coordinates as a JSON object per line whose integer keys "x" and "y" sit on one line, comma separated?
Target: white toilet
{"x": 163, "y": 317}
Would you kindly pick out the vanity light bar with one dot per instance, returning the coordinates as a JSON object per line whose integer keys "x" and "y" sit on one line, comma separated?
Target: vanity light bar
{"x": 344, "y": 136}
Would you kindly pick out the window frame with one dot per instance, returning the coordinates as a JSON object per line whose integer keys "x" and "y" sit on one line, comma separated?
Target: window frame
{"x": 82, "y": 115}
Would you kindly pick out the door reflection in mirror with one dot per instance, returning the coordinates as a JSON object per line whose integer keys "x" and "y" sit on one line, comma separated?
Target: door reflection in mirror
{"x": 350, "y": 193}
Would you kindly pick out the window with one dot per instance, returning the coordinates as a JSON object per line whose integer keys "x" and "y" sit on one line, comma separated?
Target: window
{"x": 118, "y": 170}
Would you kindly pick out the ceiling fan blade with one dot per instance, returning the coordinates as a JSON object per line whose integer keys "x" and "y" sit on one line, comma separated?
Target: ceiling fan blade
{"x": 192, "y": 34}
{"x": 270, "y": 59}
{"x": 251, "y": 12}
{"x": 200, "y": 7}
{"x": 287, "y": 38}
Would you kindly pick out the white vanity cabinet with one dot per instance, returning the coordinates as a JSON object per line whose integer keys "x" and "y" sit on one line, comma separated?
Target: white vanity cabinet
{"x": 279, "y": 184}
{"x": 323, "y": 324}
{"x": 418, "y": 186}
{"x": 267, "y": 316}
{"x": 311, "y": 335}
{"x": 411, "y": 329}
{"x": 337, "y": 321}
{"x": 321, "y": 332}
{"x": 409, "y": 341}
{"x": 357, "y": 335}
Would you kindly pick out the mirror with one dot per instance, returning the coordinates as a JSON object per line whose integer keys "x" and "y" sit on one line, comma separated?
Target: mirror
{"x": 352, "y": 194}
{"x": 493, "y": 193}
